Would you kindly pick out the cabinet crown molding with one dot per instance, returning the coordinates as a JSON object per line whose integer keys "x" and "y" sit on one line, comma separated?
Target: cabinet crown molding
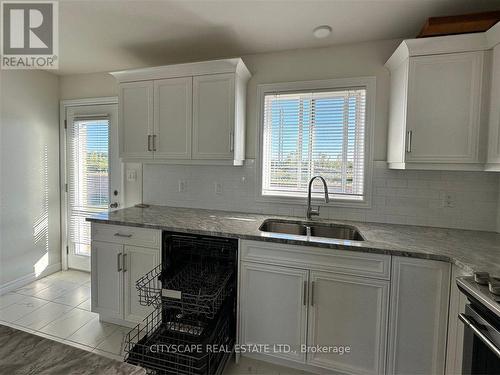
{"x": 444, "y": 44}
{"x": 233, "y": 65}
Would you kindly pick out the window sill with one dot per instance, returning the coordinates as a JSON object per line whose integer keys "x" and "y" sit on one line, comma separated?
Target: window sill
{"x": 302, "y": 201}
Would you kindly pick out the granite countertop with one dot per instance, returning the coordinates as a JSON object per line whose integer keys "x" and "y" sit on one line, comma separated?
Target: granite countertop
{"x": 23, "y": 353}
{"x": 470, "y": 250}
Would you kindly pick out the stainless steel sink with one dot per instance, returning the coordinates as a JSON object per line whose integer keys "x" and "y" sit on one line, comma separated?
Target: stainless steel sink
{"x": 304, "y": 228}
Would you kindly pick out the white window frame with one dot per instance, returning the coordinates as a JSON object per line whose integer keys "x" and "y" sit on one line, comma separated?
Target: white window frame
{"x": 334, "y": 84}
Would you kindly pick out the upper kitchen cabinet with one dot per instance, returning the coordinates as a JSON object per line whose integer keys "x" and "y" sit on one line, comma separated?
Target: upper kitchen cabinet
{"x": 439, "y": 106}
{"x": 493, "y": 161}
{"x": 136, "y": 120}
{"x": 185, "y": 113}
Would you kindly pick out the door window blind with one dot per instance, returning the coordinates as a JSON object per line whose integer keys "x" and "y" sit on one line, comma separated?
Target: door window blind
{"x": 314, "y": 133}
{"x": 88, "y": 177}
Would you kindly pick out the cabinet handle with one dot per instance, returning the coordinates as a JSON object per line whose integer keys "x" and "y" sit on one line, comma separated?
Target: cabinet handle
{"x": 231, "y": 141}
{"x": 312, "y": 293}
{"x": 118, "y": 261}
{"x": 154, "y": 142}
{"x": 149, "y": 142}
{"x": 409, "y": 136}
{"x": 304, "y": 299}
{"x": 123, "y": 235}
{"x": 124, "y": 262}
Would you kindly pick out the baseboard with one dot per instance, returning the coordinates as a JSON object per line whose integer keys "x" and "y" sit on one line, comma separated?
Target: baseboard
{"x": 25, "y": 280}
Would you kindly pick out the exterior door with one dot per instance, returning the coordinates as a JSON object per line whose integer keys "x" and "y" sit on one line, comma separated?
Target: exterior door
{"x": 348, "y": 311}
{"x": 93, "y": 174}
{"x": 274, "y": 308}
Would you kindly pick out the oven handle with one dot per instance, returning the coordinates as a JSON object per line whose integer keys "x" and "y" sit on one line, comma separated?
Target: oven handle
{"x": 469, "y": 323}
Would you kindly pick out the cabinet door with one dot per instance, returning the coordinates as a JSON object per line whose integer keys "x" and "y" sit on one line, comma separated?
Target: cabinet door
{"x": 173, "y": 118}
{"x": 107, "y": 279}
{"x": 273, "y": 307}
{"x": 348, "y": 311}
{"x": 213, "y": 116}
{"x": 137, "y": 261}
{"x": 419, "y": 316}
{"x": 136, "y": 119}
{"x": 444, "y": 103}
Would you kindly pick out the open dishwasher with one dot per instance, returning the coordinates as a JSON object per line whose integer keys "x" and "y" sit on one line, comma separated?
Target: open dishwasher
{"x": 193, "y": 327}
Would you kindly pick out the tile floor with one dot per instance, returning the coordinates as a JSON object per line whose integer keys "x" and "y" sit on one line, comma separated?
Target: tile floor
{"x": 58, "y": 307}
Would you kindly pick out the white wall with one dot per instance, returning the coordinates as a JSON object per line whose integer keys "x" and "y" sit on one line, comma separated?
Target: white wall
{"x": 29, "y": 174}
{"x": 404, "y": 197}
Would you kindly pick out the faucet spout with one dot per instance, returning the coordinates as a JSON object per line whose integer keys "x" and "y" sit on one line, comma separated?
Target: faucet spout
{"x": 315, "y": 211}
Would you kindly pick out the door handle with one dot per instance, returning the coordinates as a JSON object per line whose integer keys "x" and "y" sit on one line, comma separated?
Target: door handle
{"x": 409, "y": 136}
{"x": 125, "y": 262}
{"x": 477, "y": 332}
{"x": 312, "y": 293}
{"x": 154, "y": 142}
{"x": 304, "y": 298}
{"x": 149, "y": 142}
{"x": 118, "y": 258}
{"x": 231, "y": 141}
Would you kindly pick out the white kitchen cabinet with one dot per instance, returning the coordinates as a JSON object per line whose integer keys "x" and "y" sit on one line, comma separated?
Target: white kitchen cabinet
{"x": 279, "y": 303}
{"x": 213, "y": 116}
{"x": 348, "y": 311}
{"x": 184, "y": 114}
{"x": 274, "y": 307}
{"x": 136, "y": 120}
{"x": 418, "y": 316}
{"x": 173, "y": 116}
{"x": 118, "y": 260}
{"x": 137, "y": 261}
{"x": 438, "y": 116}
{"x": 493, "y": 161}
{"x": 107, "y": 279}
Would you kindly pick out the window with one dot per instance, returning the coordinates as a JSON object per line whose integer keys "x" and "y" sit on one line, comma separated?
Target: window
{"x": 314, "y": 132}
{"x": 88, "y": 187}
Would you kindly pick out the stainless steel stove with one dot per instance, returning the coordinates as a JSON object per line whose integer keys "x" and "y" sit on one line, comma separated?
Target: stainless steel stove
{"x": 482, "y": 324}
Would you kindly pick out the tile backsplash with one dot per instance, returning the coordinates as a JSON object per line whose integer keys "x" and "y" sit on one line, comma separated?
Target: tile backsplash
{"x": 466, "y": 200}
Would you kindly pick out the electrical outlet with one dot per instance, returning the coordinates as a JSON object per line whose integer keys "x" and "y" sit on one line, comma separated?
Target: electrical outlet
{"x": 218, "y": 188}
{"x": 182, "y": 186}
{"x": 131, "y": 175}
{"x": 448, "y": 199}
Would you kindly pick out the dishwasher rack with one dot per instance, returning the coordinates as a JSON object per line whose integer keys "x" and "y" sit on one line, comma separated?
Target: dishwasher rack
{"x": 194, "y": 295}
{"x": 164, "y": 346}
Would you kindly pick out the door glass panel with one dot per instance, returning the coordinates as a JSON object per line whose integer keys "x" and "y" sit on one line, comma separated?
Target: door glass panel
{"x": 88, "y": 182}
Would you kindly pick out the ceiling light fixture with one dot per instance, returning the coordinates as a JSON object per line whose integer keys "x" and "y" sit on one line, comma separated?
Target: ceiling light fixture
{"x": 323, "y": 31}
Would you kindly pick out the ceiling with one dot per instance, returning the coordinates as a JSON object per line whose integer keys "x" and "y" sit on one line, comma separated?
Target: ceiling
{"x": 98, "y": 36}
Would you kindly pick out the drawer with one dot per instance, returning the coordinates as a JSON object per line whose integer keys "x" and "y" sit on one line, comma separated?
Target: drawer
{"x": 316, "y": 258}
{"x": 126, "y": 235}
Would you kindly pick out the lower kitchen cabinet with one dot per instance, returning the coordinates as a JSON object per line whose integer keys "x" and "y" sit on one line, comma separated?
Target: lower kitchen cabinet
{"x": 348, "y": 311}
{"x": 116, "y": 264}
{"x": 107, "y": 279}
{"x": 137, "y": 261}
{"x": 419, "y": 316}
{"x": 274, "y": 307}
{"x": 280, "y": 304}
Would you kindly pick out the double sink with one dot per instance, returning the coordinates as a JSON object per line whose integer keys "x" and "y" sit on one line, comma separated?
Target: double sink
{"x": 311, "y": 229}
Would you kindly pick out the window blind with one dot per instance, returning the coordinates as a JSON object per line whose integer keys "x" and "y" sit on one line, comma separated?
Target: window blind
{"x": 314, "y": 133}
{"x": 88, "y": 177}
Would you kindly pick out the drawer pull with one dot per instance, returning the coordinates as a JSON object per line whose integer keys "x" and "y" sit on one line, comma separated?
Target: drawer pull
{"x": 123, "y": 235}
{"x": 304, "y": 301}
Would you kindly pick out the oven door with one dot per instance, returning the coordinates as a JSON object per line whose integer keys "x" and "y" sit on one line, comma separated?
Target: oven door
{"x": 481, "y": 353}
